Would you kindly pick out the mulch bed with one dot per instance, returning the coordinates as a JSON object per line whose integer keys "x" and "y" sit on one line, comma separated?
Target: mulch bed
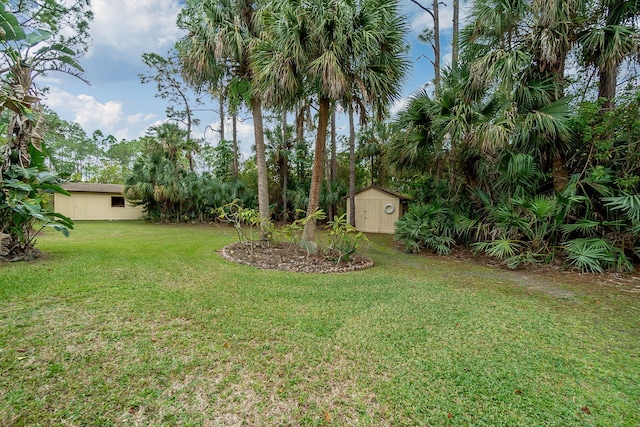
{"x": 290, "y": 257}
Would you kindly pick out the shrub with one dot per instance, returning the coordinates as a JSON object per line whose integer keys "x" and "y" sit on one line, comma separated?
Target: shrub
{"x": 429, "y": 226}
{"x": 344, "y": 238}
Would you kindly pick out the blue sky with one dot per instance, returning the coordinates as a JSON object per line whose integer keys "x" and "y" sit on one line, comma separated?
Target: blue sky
{"x": 118, "y": 104}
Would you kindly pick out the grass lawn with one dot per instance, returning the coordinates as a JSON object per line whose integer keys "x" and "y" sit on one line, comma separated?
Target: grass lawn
{"x": 127, "y": 323}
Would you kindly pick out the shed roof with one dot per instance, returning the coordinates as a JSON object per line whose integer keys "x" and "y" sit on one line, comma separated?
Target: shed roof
{"x": 391, "y": 193}
{"x": 93, "y": 188}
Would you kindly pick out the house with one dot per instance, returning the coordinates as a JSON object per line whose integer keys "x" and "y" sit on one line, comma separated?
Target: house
{"x": 95, "y": 202}
{"x": 378, "y": 209}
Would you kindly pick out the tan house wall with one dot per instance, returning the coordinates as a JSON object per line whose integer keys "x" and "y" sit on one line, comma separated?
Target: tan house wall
{"x": 370, "y": 214}
{"x": 94, "y": 206}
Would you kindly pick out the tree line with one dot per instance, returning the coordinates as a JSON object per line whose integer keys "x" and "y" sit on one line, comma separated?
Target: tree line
{"x": 523, "y": 148}
{"x": 530, "y": 139}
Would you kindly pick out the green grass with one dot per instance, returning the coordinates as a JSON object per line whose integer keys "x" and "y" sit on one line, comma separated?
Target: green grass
{"x": 127, "y": 323}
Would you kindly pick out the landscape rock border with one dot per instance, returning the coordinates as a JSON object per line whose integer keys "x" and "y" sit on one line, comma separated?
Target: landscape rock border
{"x": 289, "y": 258}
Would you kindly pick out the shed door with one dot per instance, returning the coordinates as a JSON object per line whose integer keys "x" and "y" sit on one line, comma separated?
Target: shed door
{"x": 368, "y": 216}
{"x": 80, "y": 207}
{"x": 372, "y": 219}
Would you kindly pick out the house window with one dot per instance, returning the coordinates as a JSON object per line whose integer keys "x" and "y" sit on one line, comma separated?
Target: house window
{"x": 117, "y": 202}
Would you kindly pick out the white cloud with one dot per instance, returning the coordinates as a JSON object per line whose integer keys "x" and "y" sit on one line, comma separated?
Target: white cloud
{"x": 245, "y": 129}
{"x": 424, "y": 20}
{"x": 93, "y": 113}
{"x": 117, "y": 103}
{"x": 140, "y": 118}
{"x": 447, "y": 58}
{"x": 123, "y": 134}
{"x": 132, "y": 27}
{"x": 89, "y": 113}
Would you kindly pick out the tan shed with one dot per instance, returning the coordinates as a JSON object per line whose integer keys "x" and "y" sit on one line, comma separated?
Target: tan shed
{"x": 95, "y": 202}
{"x": 378, "y": 209}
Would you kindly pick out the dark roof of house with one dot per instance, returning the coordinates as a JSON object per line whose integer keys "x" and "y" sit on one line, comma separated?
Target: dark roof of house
{"x": 93, "y": 188}
{"x": 391, "y": 193}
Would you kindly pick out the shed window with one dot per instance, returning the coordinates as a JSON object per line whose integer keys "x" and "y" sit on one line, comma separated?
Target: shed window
{"x": 117, "y": 202}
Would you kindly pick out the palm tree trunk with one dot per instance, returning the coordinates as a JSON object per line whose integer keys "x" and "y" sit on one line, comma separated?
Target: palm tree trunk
{"x": 559, "y": 172}
{"x": 456, "y": 32}
{"x": 285, "y": 188}
{"x": 333, "y": 170}
{"x": 221, "y": 99}
{"x": 285, "y": 168}
{"x": 309, "y": 233}
{"x": 234, "y": 130}
{"x": 436, "y": 47}
{"x": 607, "y": 86}
{"x": 352, "y": 169}
{"x": 261, "y": 164}
{"x": 300, "y": 123}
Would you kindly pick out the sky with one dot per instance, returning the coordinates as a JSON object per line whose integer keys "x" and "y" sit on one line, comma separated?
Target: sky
{"x": 118, "y": 104}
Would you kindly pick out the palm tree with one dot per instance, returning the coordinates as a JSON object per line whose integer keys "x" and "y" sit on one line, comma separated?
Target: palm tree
{"x": 325, "y": 48}
{"x": 279, "y": 146}
{"x": 463, "y": 118}
{"x": 226, "y": 31}
{"x": 352, "y": 167}
{"x": 414, "y": 146}
{"x": 522, "y": 48}
{"x": 609, "y": 41}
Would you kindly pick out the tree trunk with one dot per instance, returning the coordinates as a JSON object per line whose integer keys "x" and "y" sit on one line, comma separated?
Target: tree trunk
{"x": 456, "y": 32}
{"x": 221, "y": 98}
{"x": 559, "y": 172}
{"x": 300, "y": 123}
{"x": 436, "y": 46}
{"x": 261, "y": 165}
{"x": 352, "y": 169}
{"x": 285, "y": 188}
{"x": 333, "y": 171}
{"x": 285, "y": 168}
{"x": 309, "y": 233}
{"x": 234, "y": 136}
{"x": 607, "y": 86}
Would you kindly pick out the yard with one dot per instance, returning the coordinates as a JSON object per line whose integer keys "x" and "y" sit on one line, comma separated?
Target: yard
{"x": 127, "y": 323}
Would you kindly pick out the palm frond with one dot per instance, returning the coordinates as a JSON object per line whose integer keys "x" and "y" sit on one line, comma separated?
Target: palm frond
{"x": 500, "y": 249}
{"x": 590, "y": 254}
{"x": 583, "y": 226}
{"x": 628, "y": 204}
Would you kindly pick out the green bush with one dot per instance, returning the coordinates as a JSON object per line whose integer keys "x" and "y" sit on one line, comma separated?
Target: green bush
{"x": 344, "y": 238}
{"x": 427, "y": 226}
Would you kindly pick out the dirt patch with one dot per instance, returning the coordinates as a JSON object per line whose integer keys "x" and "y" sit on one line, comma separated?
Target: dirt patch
{"x": 289, "y": 257}
{"x": 548, "y": 278}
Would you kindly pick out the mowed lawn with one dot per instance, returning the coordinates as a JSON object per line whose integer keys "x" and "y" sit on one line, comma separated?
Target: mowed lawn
{"x": 128, "y": 323}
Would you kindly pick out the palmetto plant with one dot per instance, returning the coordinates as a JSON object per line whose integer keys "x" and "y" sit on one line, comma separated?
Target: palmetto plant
{"x": 525, "y": 230}
{"x": 596, "y": 255}
{"x": 429, "y": 226}
{"x": 414, "y": 144}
